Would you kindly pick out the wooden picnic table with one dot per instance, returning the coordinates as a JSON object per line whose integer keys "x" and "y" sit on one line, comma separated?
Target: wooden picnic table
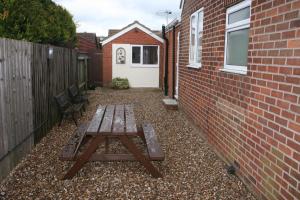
{"x": 117, "y": 122}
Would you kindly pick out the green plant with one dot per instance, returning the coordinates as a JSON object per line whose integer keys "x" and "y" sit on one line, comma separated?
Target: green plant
{"x": 40, "y": 21}
{"x": 120, "y": 83}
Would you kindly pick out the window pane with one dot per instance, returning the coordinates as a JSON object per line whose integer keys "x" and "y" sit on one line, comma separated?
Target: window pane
{"x": 200, "y": 21}
{"x": 150, "y": 55}
{"x": 200, "y": 30}
{"x": 136, "y": 54}
{"x": 239, "y": 15}
{"x": 193, "y": 38}
{"x": 237, "y": 47}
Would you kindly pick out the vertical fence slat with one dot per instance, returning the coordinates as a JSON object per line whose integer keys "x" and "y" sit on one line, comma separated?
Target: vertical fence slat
{"x": 5, "y": 98}
{"x": 3, "y": 150}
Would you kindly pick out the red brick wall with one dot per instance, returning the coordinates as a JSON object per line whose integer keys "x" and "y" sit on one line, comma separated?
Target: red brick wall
{"x": 252, "y": 119}
{"x": 169, "y": 35}
{"x": 135, "y": 36}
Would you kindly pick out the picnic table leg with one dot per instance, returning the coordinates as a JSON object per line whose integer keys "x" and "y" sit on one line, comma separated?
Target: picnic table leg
{"x": 106, "y": 145}
{"x": 141, "y": 134}
{"x": 139, "y": 156}
{"x": 84, "y": 157}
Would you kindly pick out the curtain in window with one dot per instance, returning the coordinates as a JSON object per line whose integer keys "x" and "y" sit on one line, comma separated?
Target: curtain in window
{"x": 150, "y": 55}
{"x": 136, "y": 54}
{"x": 193, "y": 38}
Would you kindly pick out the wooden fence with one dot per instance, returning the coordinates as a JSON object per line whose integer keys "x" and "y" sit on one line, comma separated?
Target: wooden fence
{"x": 95, "y": 67}
{"x": 15, "y": 94}
{"x": 28, "y": 81}
{"x": 50, "y": 77}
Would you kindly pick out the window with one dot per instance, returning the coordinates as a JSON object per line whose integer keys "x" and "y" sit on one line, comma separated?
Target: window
{"x": 196, "y": 32}
{"x": 136, "y": 55}
{"x": 145, "y": 55}
{"x": 150, "y": 55}
{"x": 237, "y": 37}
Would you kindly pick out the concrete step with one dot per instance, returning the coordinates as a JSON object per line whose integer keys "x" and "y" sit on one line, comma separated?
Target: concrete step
{"x": 170, "y": 104}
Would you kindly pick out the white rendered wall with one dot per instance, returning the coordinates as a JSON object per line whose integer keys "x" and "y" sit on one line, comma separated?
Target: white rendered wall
{"x": 138, "y": 76}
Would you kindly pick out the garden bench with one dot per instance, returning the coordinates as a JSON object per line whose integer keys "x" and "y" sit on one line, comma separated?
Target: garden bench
{"x": 76, "y": 96}
{"x": 66, "y": 108}
{"x": 112, "y": 122}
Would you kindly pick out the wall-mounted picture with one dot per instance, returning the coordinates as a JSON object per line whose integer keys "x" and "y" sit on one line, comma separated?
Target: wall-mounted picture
{"x": 121, "y": 56}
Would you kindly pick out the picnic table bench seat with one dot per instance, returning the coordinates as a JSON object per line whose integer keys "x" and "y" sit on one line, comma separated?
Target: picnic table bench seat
{"x": 153, "y": 147}
{"x": 70, "y": 150}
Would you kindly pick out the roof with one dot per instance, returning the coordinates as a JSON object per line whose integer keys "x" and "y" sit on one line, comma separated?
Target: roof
{"x": 112, "y": 32}
{"x": 115, "y": 33}
{"x": 88, "y": 36}
{"x": 173, "y": 23}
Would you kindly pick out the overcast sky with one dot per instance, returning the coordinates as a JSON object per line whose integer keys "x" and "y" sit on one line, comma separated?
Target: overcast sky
{"x": 98, "y": 16}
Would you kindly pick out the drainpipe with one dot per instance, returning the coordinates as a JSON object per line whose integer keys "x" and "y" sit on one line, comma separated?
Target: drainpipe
{"x": 173, "y": 61}
{"x": 166, "y": 61}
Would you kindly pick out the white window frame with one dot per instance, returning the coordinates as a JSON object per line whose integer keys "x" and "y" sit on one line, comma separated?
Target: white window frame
{"x": 193, "y": 63}
{"x": 240, "y": 25}
{"x": 142, "y": 54}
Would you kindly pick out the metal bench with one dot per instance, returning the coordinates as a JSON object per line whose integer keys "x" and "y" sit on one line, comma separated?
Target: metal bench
{"x": 76, "y": 96}
{"x": 66, "y": 108}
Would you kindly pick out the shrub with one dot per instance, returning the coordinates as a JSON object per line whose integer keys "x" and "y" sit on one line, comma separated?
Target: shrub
{"x": 40, "y": 21}
{"x": 120, "y": 83}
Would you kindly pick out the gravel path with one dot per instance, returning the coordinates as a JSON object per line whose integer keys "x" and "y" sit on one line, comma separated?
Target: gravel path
{"x": 191, "y": 169}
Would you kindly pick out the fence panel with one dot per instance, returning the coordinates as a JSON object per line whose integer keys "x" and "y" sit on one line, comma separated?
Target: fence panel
{"x": 40, "y": 89}
{"x": 15, "y": 89}
{"x": 95, "y": 67}
{"x": 52, "y": 76}
{"x": 28, "y": 82}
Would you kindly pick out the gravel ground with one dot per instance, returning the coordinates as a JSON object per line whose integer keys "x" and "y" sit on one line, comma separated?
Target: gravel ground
{"x": 191, "y": 169}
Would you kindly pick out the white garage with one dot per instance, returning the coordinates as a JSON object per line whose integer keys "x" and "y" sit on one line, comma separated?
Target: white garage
{"x": 134, "y": 53}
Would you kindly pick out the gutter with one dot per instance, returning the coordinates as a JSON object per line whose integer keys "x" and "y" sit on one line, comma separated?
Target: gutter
{"x": 173, "y": 61}
{"x": 166, "y": 60}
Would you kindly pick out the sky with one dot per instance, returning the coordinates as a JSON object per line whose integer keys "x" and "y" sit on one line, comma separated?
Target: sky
{"x": 97, "y": 16}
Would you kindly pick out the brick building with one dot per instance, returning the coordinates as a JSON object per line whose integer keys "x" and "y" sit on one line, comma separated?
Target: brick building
{"x": 239, "y": 81}
{"x": 134, "y": 52}
{"x": 88, "y": 45}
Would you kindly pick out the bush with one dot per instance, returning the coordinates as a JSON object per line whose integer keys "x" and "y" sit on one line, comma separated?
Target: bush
{"x": 40, "y": 21}
{"x": 120, "y": 83}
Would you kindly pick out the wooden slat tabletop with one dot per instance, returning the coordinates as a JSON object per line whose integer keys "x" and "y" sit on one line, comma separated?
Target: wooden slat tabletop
{"x": 114, "y": 119}
{"x": 106, "y": 126}
{"x": 96, "y": 121}
{"x": 119, "y": 120}
{"x": 130, "y": 119}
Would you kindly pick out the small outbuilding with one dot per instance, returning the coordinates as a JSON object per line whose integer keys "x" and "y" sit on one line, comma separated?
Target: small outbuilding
{"x": 134, "y": 52}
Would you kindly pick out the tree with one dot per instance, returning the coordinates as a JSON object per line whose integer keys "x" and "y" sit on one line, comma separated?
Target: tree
{"x": 39, "y": 21}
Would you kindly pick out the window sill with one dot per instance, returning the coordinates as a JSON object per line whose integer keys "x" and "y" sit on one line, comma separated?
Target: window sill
{"x": 235, "y": 71}
{"x": 144, "y": 66}
{"x": 195, "y": 66}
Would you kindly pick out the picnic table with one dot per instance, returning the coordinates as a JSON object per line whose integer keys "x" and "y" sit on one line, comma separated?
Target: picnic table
{"x": 112, "y": 122}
